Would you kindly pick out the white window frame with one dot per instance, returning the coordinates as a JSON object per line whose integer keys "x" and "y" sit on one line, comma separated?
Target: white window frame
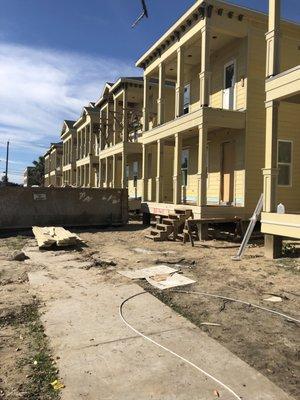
{"x": 290, "y": 164}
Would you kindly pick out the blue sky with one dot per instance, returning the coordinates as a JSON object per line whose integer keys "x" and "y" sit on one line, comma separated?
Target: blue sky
{"x": 55, "y": 56}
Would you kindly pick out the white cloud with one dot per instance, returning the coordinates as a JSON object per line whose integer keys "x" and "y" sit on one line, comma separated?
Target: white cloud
{"x": 42, "y": 87}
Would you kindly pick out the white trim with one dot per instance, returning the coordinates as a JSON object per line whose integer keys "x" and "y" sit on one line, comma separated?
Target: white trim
{"x": 280, "y": 224}
{"x": 290, "y": 164}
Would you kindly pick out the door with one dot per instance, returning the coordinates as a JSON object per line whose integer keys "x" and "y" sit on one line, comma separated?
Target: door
{"x": 227, "y": 174}
{"x": 229, "y": 84}
{"x": 186, "y": 98}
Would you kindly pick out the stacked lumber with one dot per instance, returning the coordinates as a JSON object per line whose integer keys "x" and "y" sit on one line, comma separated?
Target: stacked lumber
{"x": 52, "y": 235}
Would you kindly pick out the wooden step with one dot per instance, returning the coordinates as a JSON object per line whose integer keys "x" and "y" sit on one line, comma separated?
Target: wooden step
{"x": 154, "y": 238}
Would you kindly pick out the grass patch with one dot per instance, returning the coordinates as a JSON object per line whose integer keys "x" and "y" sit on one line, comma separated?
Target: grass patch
{"x": 42, "y": 368}
{"x": 15, "y": 242}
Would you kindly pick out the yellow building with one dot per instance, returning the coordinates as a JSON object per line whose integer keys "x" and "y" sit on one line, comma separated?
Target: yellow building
{"x": 69, "y": 140}
{"x": 120, "y": 154}
{"x": 53, "y": 165}
{"x": 205, "y": 149}
{"x": 87, "y": 159}
{"x": 281, "y": 216}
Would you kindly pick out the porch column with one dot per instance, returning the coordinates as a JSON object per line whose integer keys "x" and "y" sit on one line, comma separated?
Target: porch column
{"x": 145, "y": 173}
{"x": 91, "y": 138}
{"x": 91, "y": 170}
{"x": 125, "y": 117}
{"x": 177, "y": 169}
{"x": 159, "y": 172}
{"x": 114, "y": 170}
{"x": 115, "y": 116}
{"x": 161, "y": 94}
{"x": 81, "y": 176}
{"x": 124, "y": 163}
{"x": 205, "y": 73}
{"x": 270, "y": 172}
{"x": 179, "y": 82}
{"x": 106, "y": 172}
{"x": 273, "y": 39}
{"x": 146, "y": 103}
{"x": 202, "y": 166}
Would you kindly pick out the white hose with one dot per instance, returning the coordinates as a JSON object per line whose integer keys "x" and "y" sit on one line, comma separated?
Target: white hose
{"x": 238, "y": 301}
{"x": 170, "y": 351}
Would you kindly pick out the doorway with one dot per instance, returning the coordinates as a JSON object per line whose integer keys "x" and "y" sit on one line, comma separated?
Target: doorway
{"x": 227, "y": 172}
{"x": 229, "y": 85}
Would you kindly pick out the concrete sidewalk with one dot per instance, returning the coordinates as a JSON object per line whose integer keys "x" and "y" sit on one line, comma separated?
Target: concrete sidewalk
{"x": 101, "y": 358}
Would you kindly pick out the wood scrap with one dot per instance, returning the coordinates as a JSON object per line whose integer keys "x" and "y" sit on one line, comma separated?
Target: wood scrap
{"x": 52, "y": 235}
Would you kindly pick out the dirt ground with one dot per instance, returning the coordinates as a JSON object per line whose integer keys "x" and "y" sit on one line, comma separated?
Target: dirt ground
{"x": 26, "y": 366}
{"x": 268, "y": 343}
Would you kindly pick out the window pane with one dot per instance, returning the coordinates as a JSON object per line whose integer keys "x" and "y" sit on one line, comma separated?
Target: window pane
{"x": 284, "y": 152}
{"x": 284, "y": 175}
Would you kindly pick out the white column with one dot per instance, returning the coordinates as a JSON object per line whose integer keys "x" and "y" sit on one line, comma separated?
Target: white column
{"x": 146, "y": 103}
{"x": 177, "y": 169}
{"x": 161, "y": 94}
{"x": 114, "y": 171}
{"x": 270, "y": 172}
{"x": 273, "y": 39}
{"x": 179, "y": 82}
{"x": 205, "y": 66}
{"x": 202, "y": 166}
{"x": 124, "y": 163}
{"x": 159, "y": 172}
{"x": 145, "y": 173}
{"x": 125, "y": 116}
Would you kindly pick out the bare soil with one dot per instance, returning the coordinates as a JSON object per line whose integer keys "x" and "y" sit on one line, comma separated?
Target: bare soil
{"x": 26, "y": 367}
{"x": 268, "y": 343}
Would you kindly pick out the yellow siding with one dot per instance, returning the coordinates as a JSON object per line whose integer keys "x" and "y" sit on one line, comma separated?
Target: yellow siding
{"x": 289, "y": 129}
{"x": 234, "y": 51}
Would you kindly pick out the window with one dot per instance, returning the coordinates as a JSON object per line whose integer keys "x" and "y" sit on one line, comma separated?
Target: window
{"x": 184, "y": 166}
{"x": 135, "y": 169}
{"x": 186, "y": 98}
{"x": 284, "y": 162}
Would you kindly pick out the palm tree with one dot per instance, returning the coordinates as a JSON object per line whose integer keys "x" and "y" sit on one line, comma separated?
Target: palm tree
{"x": 37, "y": 173}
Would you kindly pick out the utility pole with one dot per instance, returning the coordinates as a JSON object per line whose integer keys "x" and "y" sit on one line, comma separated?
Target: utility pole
{"x": 6, "y": 167}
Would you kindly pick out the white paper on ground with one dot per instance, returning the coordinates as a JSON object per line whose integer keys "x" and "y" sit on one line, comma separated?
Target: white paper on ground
{"x": 169, "y": 281}
{"x": 144, "y": 273}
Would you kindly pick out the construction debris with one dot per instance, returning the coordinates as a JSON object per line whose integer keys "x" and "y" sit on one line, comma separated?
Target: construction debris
{"x": 18, "y": 256}
{"x": 51, "y": 235}
{"x": 145, "y": 273}
{"x": 169, "y": 281}
{"x": 274, "y": 299}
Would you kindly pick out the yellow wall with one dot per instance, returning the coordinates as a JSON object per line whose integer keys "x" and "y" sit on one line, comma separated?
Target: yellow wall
{"x": 236, "y": 50}
{"x": 289, "y": 129}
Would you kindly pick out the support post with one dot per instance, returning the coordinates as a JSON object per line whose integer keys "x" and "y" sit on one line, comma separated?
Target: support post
{"x": 179, "y": 82}
{"x": 106, "y": 172}
{"x": 161, "y": 94}
{"x": 115, "y": 124}
{"x": 124, "y": 163}
{"x": 177, "y": 169}
{"x": 273, "y": 39}
{"x": 270, "y": 172}
{"x": 145, "y": 173}
{"x": 146, "y": 103}
{"x": 202, "y": 166}
{"x": 125, "y": 116}
{"x": 205, "y": 66}
{"x": 273, "y": 246}
{"x": 159, "y": 171}
{"x": 114, "y": 172}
